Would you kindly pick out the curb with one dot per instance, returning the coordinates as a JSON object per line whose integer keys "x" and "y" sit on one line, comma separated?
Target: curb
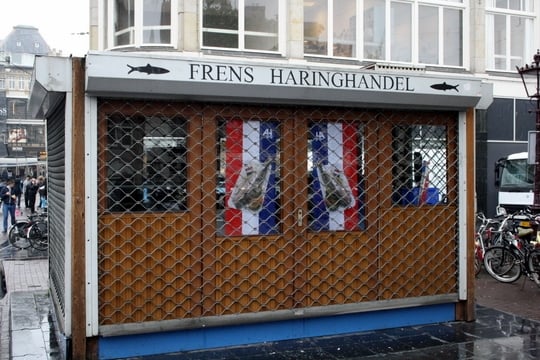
{"x": 5, "y": 324}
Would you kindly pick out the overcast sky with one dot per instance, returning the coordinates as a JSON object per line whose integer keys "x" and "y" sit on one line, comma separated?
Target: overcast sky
{"x": 59, "y": 22}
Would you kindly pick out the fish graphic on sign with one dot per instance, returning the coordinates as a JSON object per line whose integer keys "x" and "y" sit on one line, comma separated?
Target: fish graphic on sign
{"x": 444, "y": 86}
{"x": 148, "y": 69}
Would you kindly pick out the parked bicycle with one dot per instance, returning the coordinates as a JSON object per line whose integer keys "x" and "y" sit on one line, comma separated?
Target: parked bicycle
{"x": 517, "y": 252}
{"x": 486, "y": 233}
{"x": 32, "y": 232}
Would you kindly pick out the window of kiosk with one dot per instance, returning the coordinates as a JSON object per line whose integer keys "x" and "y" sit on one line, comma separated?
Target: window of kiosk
{"x": 419, "y": 164}
{"x": 146, "y": 164}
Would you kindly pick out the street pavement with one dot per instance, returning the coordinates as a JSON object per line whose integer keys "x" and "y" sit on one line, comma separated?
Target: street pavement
{"x": 507, "y": 326}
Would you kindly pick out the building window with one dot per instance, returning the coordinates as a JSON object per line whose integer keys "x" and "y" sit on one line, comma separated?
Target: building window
{"x": 440, "y": 34}
{"x": 420, "y": 154}
{"x": 23, "y": 83}
{"x": 146, "y": 170}
{"x": 510, "y": 33}
{"x": 16, "y": 108}
{"x": 400, "y": 31}
{"x": 388, "y": 31}
{"x": 330, "y": 28}
{"x": 141, "y": 22}
{"x": 251, "y": 25}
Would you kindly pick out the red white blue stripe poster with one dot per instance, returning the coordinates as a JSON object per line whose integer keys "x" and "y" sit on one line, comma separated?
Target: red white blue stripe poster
{"x": 251, "y": 197}
{"x": 334, "y": 178}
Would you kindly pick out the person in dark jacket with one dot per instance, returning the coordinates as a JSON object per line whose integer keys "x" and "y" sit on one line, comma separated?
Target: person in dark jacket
{"x": 31, "y": 192}
{"x": 18, "y": 191}
{"x": 9, "y": 203}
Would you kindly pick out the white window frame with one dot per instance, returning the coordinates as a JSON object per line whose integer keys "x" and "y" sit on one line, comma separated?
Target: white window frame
{"x": 282, "y": 26}
{"x": 23, "y": 83}
{"x": 531, "y": 36}
{"x": 463, "y": 6}
{"x": 136, "y": 31}
{"x": 330, "y": 32}
{"x": 441, "y": 8}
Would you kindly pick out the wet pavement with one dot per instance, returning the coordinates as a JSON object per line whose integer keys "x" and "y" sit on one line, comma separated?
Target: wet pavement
{"x": 25, "y": 322}
{"x": 494, "y": 335}
{"x": 507, "y": 326}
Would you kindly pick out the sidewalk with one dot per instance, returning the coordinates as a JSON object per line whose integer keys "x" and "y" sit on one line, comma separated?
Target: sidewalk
{"x": 494, "y": 335}
{"x": 25, "y": 329}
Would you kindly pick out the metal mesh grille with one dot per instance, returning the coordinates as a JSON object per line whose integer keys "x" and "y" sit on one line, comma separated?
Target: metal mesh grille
{"x": 219, "y": 210}
{"x": 56, "y": 190}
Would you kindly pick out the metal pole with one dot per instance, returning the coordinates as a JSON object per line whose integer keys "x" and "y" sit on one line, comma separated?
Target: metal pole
{"x": 536, "y": 205}
{"x": 531, "y": 70}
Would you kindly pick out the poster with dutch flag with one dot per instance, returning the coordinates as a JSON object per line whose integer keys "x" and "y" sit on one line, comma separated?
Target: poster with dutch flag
{"x": 251, "y": 203}
{"x": 334, "y": 177}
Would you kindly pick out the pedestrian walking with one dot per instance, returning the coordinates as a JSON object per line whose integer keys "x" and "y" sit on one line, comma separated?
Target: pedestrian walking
{"x": 26, "y": 181}
{"x": 42, "y": 190}
{"x": 8, "y": 194}
{"x": 31, "y": 190}
{"x": 18, "y": 191}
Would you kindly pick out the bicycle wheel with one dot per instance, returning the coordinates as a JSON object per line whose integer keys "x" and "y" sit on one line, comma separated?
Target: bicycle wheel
{"x": 534, "y": 266}
{"x": 17, "y": 236}
{"x": 502, "y": 264}
{"x": 37, "y": 236}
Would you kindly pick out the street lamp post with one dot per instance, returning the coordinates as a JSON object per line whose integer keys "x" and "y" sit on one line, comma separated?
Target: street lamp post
{"x": 533, "y": 71}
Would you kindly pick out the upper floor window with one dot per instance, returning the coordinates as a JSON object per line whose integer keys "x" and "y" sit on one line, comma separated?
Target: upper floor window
{"x": 23, "y": 83}
{"x": 330, "y": 28}
{"x": 16, "y": 108}
{"x": 252, "y": 25}
{"x": 386, "y": 30}
{"x": 510, "y": 33}
{"x": 140, "y": 22}
{"x": 440, "y": 35}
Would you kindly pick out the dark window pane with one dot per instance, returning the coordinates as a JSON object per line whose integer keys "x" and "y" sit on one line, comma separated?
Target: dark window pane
{"x": 525, "y": 120}
{"x": 220, "y": 15}
{"x": 146, "y": 164}
{"x": 220, "y": 40}
{"x": 500, "y": 120}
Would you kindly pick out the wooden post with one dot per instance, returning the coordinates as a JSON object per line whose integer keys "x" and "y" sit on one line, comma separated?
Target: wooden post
{"x": 78, "y": 267}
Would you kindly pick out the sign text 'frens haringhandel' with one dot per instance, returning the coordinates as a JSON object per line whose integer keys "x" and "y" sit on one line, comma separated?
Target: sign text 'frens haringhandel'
{"x": 299, "y": 77}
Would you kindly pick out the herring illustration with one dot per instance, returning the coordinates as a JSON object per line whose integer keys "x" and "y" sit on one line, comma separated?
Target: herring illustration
{"x": 335, "y": 187}
{"x": 444, "y": 86}
{"x": 250, "y": 188}
{"x": 148, "y": 69}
